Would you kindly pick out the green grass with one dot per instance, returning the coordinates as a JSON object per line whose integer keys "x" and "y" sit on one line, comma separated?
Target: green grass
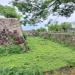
{"x": 44, "y": 55}
{"x": 10, "y": 49}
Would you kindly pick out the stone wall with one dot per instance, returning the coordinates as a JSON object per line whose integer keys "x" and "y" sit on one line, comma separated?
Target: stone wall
{"x": 67, "y": 38}
{"x": 10, "y": 31}
{"x": 10, "y": 23}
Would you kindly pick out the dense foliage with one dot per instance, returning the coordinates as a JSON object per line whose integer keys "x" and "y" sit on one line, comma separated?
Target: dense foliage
{"x": 35, "y": 10}
{"x": 64, "y": 27}
{"x": 10, "y": 42}
{"x": 9, "y": 12}
{"x": 10, "y": 49}
{"x": 41, "y": 29}
{"x": 54, "y": 28}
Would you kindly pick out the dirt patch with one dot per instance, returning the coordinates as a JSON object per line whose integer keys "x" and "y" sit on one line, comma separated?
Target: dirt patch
{"x": 68, "y": 70}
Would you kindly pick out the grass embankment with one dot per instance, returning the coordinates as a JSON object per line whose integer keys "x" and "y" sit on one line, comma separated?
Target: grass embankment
{"x": 44, "y": 56}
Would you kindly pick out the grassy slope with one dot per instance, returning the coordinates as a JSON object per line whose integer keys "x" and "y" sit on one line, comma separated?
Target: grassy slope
{"x": 44, "y": 54}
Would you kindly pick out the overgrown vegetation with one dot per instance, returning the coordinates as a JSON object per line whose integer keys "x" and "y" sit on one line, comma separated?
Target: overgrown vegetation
{"x": 11, "y": 42}
{"x": 43, "y": 56}
{"x": 41, "y": 29}
{"x": 63, "y": 27}
{"x": 43, "y": 8}
{"x": 10, "y": 49}
{"x": 9, "y": 12}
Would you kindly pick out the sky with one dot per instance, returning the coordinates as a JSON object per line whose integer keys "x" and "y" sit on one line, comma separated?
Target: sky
{"x": 51, "y": 17}
{"x": 4, "y": 2}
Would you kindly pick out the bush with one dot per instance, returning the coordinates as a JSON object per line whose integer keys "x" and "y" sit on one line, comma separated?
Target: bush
{"x": 35, "y": 33}
{"x": 66, "y": 26}
{"x": 60, "y": 27}
{"x": 54, "y": 28}
{"x": 41, "y": 30}
{"x": 25, "y": 35}
{"x": 21, "y": 71}
{"x": 10, "y": 49}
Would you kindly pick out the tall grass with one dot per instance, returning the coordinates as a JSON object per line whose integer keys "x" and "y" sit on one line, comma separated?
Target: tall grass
{"x": 21, "y": 71}
{"x": 10, "y": 49}
{"x": 44, "y": 55}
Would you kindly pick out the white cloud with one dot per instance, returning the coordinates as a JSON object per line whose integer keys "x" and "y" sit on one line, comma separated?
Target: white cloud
{"x": 72, "y": 18}
{"x": 5, "y": 2}
{"x": 1, "y": 16}
{"x": 62, "y": 19}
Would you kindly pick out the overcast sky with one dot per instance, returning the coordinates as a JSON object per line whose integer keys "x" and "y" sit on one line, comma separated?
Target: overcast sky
{"x": 5, "y": 2}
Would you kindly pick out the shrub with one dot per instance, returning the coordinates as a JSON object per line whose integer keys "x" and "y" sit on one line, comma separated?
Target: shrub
{"x": 41, "y": 29}
{"x": 25, "y": 35}
{"x": 35, "y": 33}
{"x": 21, "y": 71}
{"x": 66, "y": 26}
{"x": 10, "y": 49}
{"x": 60, "y": 27}
{"x": 54, "y": 28}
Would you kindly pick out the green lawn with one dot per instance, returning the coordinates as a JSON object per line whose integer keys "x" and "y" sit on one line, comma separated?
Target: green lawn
{"x": 44, "y": 54}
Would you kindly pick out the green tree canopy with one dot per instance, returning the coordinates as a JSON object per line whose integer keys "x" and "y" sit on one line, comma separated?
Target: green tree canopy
{"x": 54, "y": 27}
{"x": 65, "y": 26}
{"x": 41, "y": 29}
{"x": 60, "y": 27}
{"x": 35, "y": 10}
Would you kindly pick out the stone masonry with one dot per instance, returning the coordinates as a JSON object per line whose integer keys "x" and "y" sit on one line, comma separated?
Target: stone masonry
{"x": 10, "y": 31}
{"x": 10, "y": 23}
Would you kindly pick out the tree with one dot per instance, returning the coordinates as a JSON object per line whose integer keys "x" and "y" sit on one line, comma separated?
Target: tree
{"x": 59, "y": 27}
{"x": 66, "y": 26}
{"x": 31, "y": 9}
{"x": 9, "y": 12}
{"x": 54, "y": 27}
{"x": 35, "y": 10}
{"x": 41, "y": 29}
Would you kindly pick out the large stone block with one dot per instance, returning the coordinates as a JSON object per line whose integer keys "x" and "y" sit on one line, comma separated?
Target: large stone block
{"x": 10, "y": 23}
